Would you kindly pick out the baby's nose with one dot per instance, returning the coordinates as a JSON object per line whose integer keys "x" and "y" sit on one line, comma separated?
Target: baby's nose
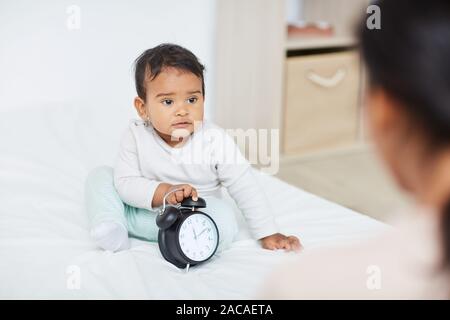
{"x": 181, "y": 111}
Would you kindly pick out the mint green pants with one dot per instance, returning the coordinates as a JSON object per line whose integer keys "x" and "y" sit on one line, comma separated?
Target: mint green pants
{"x": 103, "y": 203}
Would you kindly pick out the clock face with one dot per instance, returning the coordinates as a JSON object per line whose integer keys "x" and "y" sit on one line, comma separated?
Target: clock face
{"x": 198, "y": 237}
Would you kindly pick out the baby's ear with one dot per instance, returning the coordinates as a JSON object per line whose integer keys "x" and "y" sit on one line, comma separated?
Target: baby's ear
{"x": 139, "y": 104}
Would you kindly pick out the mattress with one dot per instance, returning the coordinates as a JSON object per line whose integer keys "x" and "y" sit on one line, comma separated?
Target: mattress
{"x": 45, "y": 248}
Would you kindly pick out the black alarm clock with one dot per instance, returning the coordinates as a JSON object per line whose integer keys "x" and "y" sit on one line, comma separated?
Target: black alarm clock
{"x": 186, "y": 236}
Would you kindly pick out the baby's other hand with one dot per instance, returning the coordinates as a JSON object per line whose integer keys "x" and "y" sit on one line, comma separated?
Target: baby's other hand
{"x": 186, "y": 190}
{"x": 280, "y": 241}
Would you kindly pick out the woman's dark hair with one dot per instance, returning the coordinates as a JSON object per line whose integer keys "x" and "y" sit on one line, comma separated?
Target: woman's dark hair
{"x": 152, "y": 61}
{"x": 409, "y": 58}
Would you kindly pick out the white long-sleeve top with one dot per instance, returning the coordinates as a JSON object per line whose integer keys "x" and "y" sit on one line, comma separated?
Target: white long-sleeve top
{"x": 208, "y": 160}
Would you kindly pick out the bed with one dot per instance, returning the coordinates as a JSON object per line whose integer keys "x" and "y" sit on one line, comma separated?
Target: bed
{"x": 45, "y": 248}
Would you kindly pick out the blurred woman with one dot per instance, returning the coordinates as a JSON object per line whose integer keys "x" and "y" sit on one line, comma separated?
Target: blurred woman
{"x": 408, "y": 111}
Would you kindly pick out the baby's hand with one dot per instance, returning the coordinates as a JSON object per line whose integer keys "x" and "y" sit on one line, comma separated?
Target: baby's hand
{"x": 280, "y": 241}
{"x": 178, "y": 196}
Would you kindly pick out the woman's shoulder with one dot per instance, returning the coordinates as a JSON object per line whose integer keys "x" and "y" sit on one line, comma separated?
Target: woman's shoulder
{"x": 396, "y": 264}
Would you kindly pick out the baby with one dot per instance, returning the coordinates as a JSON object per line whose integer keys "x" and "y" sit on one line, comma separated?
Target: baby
{"x": 171, "y": 147}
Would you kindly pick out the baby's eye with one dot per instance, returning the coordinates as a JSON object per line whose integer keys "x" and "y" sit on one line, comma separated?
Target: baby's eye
{"x": 192, "y": 100}
{"x": 167, "y": 102}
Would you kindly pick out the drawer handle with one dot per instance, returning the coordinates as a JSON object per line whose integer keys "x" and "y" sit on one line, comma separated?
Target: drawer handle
{"x": 327, "y": 82}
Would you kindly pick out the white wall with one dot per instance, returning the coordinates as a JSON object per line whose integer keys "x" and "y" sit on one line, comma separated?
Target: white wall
{"x": 44, "y": 62}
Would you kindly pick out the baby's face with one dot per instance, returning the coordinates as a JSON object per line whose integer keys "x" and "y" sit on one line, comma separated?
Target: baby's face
{"x": 174, "y": 103}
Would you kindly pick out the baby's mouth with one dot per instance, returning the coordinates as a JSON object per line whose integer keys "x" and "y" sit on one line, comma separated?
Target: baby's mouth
{"x": 181, "y": 124}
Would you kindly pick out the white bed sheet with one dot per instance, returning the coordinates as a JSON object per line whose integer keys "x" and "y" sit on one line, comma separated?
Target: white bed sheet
{"x": 45, "y": 156}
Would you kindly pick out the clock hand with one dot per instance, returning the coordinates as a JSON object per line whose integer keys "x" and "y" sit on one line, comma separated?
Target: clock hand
{"x": 202, "y": 232}
{"x": 195, "y": 236}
